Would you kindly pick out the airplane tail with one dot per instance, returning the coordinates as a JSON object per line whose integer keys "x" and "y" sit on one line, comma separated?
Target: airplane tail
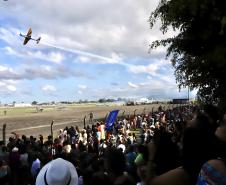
{"x": 38, "y": 40}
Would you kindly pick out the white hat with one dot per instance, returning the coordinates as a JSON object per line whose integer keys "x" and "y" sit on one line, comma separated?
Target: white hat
{"x": 15, "y": 149}
{"x": 57, "y": 172}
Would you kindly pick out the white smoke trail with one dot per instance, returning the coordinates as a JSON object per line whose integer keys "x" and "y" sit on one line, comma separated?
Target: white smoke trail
{"x": 75, "y": 51}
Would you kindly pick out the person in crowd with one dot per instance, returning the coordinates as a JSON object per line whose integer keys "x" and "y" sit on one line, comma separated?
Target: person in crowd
{"x": 116, "y": 168}
{"x": 4, "y": 154}
{"x": 4, "y": 173}
{"x": 35, "y": 167}
{"x": 214, "y": 170}
{"x": 24, "y": 175}
{"x": 58, "y": 171}
{"x": 14, "y": 164}
{"x": 198, "y": 148}
{"x": 130, "y": 159}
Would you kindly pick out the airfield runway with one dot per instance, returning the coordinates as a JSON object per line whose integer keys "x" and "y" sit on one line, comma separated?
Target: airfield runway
{"x": 39, "y": 123}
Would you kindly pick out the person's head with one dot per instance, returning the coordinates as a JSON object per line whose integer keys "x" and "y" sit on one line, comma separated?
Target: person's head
{"x": 115, "y": 162}
{"x": 11, "y": 139}
{"x": 49, "y": 138}
{"x": 213, "y": 113}
{"x": 58, "y": 172}
{"x": 198, "y": 144}
{"x": 31, "y": 138}
{"x": 125, "y": 180}
{"x": 1, "y": 143}
{"x": 141, "y": 172}
{"x": 99, "y": 178}
{"x": 130, "y": 148}
{"x": 207, "y": 173}
{"x": 221, "y": 141}
{"x": 41, "y": 137}
{"x": 4, "y": 149}
{"x": 24, "y": 137}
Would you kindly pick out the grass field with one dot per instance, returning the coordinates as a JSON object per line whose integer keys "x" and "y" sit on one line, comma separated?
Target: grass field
{"x": 17, "y": 111}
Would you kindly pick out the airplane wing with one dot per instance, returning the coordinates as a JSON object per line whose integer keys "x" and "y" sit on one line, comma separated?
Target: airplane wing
{"x": 29, "y": 32}
{"x": 26, "y": 40}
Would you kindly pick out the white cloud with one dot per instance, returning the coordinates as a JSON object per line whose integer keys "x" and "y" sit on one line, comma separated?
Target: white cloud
{"x": 9, "y": 35}
{"x": 149, "y": 77}
{"x": 82, "y": 87}
{"x": 150, "y": 68}
{"x": 80, "y": 92}
{"x": 8, "y": 88}
{"x": 152, "y": 89}
{"x": 33, "y": 71}
{"x": 48, "y": 88}
{"x": 132, "y": 85}
{"x": 4, "y": 68}
{"x": 7, "y": 73}
{"x": 11, "y": 88}
{"x": 55, "y": 57}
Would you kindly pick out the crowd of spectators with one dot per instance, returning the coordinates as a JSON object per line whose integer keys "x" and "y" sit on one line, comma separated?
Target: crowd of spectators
{"x": 186, "y": 145}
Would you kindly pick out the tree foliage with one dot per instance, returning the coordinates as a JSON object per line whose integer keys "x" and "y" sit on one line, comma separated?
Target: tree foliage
{"x": 198, "y": 51}
{"x": 34, "y": 103}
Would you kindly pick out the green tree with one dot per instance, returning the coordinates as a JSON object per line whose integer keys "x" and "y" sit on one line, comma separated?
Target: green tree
{"x": 198, "y": 51}
{"x": 34, "y": 103}
{"x": 102, "y": 100}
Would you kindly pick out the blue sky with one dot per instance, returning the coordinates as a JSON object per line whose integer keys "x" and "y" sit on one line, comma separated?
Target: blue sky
{"x": 89, "y": 50}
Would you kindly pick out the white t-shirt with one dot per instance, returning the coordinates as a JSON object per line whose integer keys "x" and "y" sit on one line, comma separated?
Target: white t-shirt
{"x": 36, "y": 165}
{"x": 24, "y": 159}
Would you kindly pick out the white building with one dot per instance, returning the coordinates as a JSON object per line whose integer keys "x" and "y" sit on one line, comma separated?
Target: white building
{"x": 22, "y": 105}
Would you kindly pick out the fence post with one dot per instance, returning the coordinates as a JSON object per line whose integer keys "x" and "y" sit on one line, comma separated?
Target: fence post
{"x": 51, "y": 127}
{"x": 144, "y": 111}
{"x": 134, "y": 112}
{"x": 3, "y": 134}
{"x": 105, "y": 119}
{"x": 123, "y": 114}
{"x": 84, "y": 121}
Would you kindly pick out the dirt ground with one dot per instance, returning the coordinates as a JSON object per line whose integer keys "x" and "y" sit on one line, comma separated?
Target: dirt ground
{"x": 39, "y": 123}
